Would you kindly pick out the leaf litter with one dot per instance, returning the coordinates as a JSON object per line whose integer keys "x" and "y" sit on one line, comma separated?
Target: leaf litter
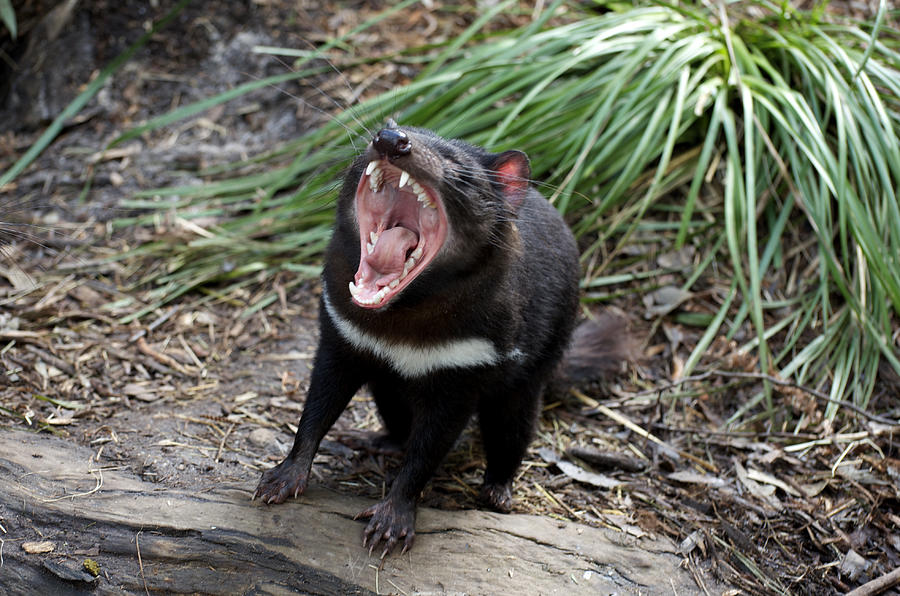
{"x": 207, "y": 391}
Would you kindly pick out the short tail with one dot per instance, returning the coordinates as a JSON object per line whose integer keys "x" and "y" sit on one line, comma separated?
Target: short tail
{"x": 601, "y": 347}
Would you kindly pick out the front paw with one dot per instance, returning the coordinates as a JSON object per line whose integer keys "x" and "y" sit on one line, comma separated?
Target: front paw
{"x": 389, "y": 522}
{"x": 284, "y": 480}
{"x": 497, "y": 496}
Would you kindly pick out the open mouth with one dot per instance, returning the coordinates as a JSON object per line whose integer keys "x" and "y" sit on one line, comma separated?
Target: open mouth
{"x": 402, "y": 226}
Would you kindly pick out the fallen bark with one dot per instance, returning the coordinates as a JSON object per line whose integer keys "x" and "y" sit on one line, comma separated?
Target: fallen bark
{"x": 148, "y": 538}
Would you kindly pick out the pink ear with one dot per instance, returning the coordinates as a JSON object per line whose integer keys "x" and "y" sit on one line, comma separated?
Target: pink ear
{"x": 513, "y": 174}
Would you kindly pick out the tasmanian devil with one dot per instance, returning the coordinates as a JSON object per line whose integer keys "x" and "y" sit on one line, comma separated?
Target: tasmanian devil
{"x": 450, "y": 288}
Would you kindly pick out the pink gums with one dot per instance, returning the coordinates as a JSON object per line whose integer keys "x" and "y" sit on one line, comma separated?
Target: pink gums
{"x": 404, "y": 227}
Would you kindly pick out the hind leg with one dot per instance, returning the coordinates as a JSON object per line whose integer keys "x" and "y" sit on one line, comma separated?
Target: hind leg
{"x": 395, "y": 412}
{"x": 507, "y": 422}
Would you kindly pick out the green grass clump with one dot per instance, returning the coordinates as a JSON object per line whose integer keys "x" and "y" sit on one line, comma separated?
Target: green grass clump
{"x": 765, "y": 137}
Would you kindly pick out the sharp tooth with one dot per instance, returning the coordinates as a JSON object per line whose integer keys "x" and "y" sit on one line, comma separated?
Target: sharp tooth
{"x": 394, "y": 283}
{"x": 371, "y": 167}
{"x": 373, "y": 237}
{"x": 353, "y": 288}
{"x": 370, "y": 248}
{"x": 425, "y": 199}
{"x": 375, "y": 179}
{"x": 410, "y": 263}
{"x": 417, "y": 253}
{"x": 404, "y": 178}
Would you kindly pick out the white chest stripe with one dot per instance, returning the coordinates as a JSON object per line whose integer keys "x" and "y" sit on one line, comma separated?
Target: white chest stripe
{"x": 415, "y": 361}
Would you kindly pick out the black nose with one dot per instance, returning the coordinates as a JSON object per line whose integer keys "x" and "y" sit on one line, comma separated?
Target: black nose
{"x": 391, "y": 143}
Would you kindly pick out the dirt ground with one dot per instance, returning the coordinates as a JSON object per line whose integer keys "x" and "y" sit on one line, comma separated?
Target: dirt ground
{"x": 199, "y": 394}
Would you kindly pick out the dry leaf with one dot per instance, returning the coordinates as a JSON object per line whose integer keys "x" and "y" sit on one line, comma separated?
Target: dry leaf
{"x": 763, "y": 492}
{"x": 664, "y": 300}
{"x": 814, "y": 488}
{"x": 769, "y": 479}
{"x": 853, "y": 565}
{"x": 679, "y": 259}
{"x": 694, "y": 540}
{"x": 38, "y": 548}
{"x": 581, "y": 475}
{"x": 691, "y": 477}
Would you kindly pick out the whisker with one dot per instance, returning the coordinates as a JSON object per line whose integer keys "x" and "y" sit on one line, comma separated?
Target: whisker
{"x": 353, "y": 94}
{"x": 350, "y": 132}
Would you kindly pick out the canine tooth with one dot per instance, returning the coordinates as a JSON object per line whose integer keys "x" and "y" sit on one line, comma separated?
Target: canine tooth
{"x": 370, "y": 248}
{"x": 375, "y": 179}
{"x": 404, "y": 178}
{"x": 371, "y": 167}
{"x": 417, "y": 253}
{"x": 353, "y": 288}
{"x": 373, "y": 237}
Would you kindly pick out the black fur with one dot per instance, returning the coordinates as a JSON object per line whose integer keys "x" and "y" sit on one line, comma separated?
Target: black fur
{"x": 508, "y": 273}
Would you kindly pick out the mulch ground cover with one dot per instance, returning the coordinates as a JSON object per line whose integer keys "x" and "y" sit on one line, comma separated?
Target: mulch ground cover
{"x": 202, "y": 390}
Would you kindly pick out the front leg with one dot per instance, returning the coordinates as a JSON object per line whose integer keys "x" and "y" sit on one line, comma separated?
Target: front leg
{"x": 437, "y": 422}
{"x": 335, "y": 378}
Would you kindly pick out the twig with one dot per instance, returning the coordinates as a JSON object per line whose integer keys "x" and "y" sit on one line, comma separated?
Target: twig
{"x": 809, "y": 390}
{"x": 148, "y": 362}
{"x": 734, "y": 433}
{"x": 51, "y": 359}
{"x": 145, "y": 348}
{"x": 772, "y": 379}
{"x": 877, "y": 585}
{"x": 22, "y": 335}
{"x": 222, "y": 442}
{"x": 555, "y": 500}
{"x": 695, "y": 572}
{"x": 137, "y": 544}
{"x": 98, "y": 486}
{"x": 628, "y": 423}
{"x": 86, "y": 314}
{"x": 159, "y": 321}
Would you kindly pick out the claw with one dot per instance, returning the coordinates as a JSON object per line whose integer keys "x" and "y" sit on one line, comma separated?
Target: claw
{"x": 388, "y": 523}
{"x": 276, "y": 484}
{"x": 389, "y": 542}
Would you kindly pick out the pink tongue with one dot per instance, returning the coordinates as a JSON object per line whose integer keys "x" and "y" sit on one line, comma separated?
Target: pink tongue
{"x": 390, "y": 250}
